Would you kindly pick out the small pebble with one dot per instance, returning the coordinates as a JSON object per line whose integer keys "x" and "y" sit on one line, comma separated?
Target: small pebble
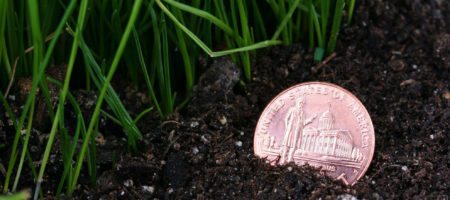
{"x": 407, "y": 82}
{"x": 223, "y": 120}
{"x": 432, "y": 136}
{"x": 404, "y": 168}
{"x": 100, "y": 139}
{"x": 204, "y": 140}
{"x": 195, "y": 150}
{"x": 289, "y": 169}
{"x": 194, "y": 124}
{"x": 176, "y": 146}
{"x": 376, "y": 196}
{"x": 238, "y": 143}
{"x": 346, "y": 197}
{"x": 148, "y": 189}
{"x": 446, "y": 95}
{"x": 128, "y": 183}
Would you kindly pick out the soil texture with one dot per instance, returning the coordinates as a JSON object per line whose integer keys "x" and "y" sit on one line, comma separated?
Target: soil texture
{"x": 394, "y": 56}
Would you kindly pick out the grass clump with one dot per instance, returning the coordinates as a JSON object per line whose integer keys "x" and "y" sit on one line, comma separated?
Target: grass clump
{"x": 154, "y": 44}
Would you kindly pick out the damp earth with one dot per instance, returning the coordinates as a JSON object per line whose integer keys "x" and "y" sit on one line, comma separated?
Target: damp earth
{"x": 395, "y": 57}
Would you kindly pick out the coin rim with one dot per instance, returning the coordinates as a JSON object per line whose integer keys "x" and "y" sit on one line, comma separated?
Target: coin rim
{"x": 331, "y": 85}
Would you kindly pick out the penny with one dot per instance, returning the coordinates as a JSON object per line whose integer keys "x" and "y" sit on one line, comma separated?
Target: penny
{"x": 319, "y": 124}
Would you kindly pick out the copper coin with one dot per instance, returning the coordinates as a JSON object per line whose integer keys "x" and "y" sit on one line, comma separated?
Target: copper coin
{"x": 320, "y": 124}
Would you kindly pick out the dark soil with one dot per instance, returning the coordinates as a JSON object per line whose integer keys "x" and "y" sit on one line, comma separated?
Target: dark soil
{"x": 395, "y": 57}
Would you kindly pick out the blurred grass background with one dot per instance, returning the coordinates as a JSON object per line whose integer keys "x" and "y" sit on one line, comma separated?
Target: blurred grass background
{"x": 154, "y": 44}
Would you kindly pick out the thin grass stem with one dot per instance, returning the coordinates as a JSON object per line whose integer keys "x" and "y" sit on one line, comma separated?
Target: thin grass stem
{"x": 204, "y": 47}
{"x": 146, "y": 76}
{"x": 336, "y": 25}
{"x": 82, "y": 14}
{"x": 114, "y": 65}
{"x": 286, "y": 19}
{"x": 24, "y": 147}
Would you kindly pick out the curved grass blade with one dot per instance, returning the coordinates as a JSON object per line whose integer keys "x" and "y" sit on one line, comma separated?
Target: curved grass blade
{"x": 286, "y": 19}
{"x": 31, "y": 97}
{"x": 114, "y": 65}
{"x": 24, "y": 147}
{"x": 205, "y": 47}
{"x": 203, "y": 14}
{"x": 63, "y": 94}
{"x": 113, "y": 100}
{"x": 144, "y": 70}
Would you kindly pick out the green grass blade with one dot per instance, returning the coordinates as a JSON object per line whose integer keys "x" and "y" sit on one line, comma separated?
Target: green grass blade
{"x": 3, "y": 50}
{"x": 24, "y": 147}
{"x": 251, "y": 47}
{"x": 4, "y": 55}
{"x": 31, "y": 96}
{"x": 73, "y": 144}
{"x": 112, "y": 98}
{"x": 8, "y": 109}
{"x": 37, "y": 57}
{"x": 259, "y": 21}
{"x": 320, "y": 39}
{"x": 281, "y": 13}
{"x": 204, "y": 46}
{"x": 159, "y": 65}
{"x": 336, "y": 25}
{"x": 165, "y": 67}
{"x": 144, "y": 70}
{"x": 24, "y": 195}
{"x": 286, "y": 19}
{"x": 275, "y": 7}
{"x": 38, "y": 42}
{"x": 114, "y": 65}
{"x": 144, "y": 112}
{"x": 324, "y": 11}
{"x": 188, "y": 67}
{"x": 46, "y": 93}
{"x": 351, "y": 8}
{"x": 247, "y": 38}
{"x": 201, "y": 13}
{"x": 63, "y": 95}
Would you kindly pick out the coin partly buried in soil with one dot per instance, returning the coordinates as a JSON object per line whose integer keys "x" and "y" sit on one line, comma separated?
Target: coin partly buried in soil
{"x": 319, "y": 124}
